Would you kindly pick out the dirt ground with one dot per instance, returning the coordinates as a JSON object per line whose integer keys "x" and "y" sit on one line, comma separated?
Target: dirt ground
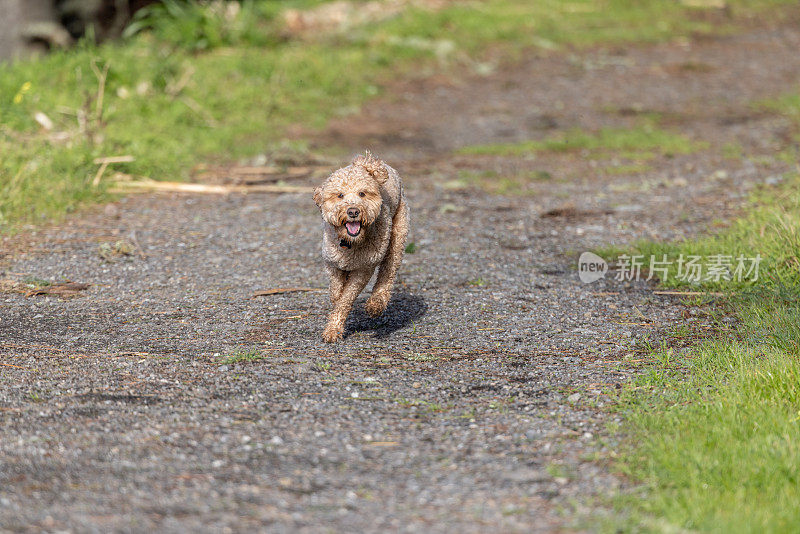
{"x": 476, "y": 402}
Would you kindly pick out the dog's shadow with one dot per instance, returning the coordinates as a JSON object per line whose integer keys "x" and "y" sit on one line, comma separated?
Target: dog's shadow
{"x": 403, "y": 309}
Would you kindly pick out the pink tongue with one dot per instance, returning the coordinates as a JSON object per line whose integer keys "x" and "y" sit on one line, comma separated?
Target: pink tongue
{"x": 353, "y": 227}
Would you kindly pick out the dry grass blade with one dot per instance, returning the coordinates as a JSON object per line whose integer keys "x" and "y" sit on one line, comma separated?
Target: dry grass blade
{"x": 102, "y": 76}
{"x": 278, "y": 291}
{"x": 65, "y": 290}
{"x": 105, "y": 162}
{"x": 691, "y": 293}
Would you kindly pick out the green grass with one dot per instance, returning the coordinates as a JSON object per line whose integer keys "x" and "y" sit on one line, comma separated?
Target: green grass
{"x": 718, "y": 452}
{"x": 621, "y": 170}
{"x": 714, "y": 433}
{"x": 770, "y": 231}
{"x": 493, "y": 183}
{"x": 198, "y": 27}
{"x": 242, "y": 356}
{"x": 192, "y": 85}
{"x": 787, "y": 105}
{"x": 638, "y": 143}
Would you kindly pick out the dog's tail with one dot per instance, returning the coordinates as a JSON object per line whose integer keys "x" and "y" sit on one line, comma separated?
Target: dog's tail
{"x": 373, "y": 165}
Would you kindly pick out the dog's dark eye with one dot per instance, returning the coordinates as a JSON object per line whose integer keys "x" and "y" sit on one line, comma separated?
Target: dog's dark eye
{"x": 341, "y": 195}
{"x": 361, "y": 194}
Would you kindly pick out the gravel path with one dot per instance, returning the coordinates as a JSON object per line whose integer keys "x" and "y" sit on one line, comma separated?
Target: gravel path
{"x": 475, "y": 403}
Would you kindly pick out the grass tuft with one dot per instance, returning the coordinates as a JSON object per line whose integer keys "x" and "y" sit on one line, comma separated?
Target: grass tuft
{"x": 243, "y": 356}
{"x": 714, "y": 431}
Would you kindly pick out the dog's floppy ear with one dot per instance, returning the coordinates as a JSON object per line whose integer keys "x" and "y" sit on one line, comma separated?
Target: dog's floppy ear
{"x": 318, "y": 197}
{"x": 374, "y": 166}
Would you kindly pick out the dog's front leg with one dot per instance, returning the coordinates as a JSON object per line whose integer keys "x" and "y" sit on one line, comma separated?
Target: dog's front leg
{"x": 355, "y": 283}
{"x": 377, "y": 302}
{"x": 338, "y": 279}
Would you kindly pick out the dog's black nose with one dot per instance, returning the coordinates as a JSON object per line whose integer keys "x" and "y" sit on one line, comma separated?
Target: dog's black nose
{"x": 353, "y": 212}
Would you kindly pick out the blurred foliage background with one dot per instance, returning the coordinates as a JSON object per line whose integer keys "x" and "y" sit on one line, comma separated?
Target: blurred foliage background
{"x": 179, "y": 84}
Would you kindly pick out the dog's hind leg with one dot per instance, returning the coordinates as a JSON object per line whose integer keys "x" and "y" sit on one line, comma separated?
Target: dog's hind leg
{"x": 356, "y": 281}
{"x": 382, "y": 292}
{"x": 338, "y": 279}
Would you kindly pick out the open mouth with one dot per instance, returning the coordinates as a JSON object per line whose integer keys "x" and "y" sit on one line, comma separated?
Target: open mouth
{"x": 353, "y": 228}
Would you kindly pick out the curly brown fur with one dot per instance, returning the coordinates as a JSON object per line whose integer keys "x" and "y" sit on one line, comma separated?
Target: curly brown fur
{"x": 365, "y": 224}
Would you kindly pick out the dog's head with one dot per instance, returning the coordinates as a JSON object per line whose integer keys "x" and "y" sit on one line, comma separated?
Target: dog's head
{"x": 350, "y": 199}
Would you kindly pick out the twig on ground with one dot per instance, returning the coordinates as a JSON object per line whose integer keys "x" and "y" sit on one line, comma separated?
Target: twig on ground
{"x": 105, "y": 162}
{"x": 149, "y": 185}
{"x": 278, "y": 291}
{"x": 65, "y": 290}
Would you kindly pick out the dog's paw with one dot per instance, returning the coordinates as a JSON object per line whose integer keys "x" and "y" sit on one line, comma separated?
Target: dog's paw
{"x": 376, "y": 304}
{"x": 331, "y": 334}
